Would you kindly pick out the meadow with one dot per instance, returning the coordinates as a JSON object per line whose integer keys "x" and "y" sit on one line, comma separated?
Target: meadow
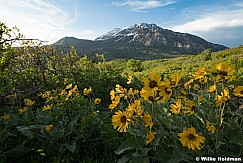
{"x": 63, "y": 107}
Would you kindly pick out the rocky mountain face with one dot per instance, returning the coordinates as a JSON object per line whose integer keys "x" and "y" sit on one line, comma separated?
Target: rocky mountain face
{"x": 141, "y": 41}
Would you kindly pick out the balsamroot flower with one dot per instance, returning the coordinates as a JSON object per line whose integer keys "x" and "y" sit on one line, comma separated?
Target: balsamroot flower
{"x": 154, "y": 82}
{"x": 190, "y": 139}
{"x": 238, "y": 91}
{"x": 48, "y": 128}
{"x": 211, "y": 89}
{"x": 149, "y": 137}
{"x": 176, "y": 108}
{"x": 97, "y": 101}
{"x": 223, "y": 98}
{"x": 210, "y": 127}
{"x": 87, "y": 91}
{"x": 120, "y": 121}
{"x": 28, "y": 102}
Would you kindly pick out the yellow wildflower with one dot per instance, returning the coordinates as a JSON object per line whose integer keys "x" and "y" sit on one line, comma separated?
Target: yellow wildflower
{"x": 176, "y": 108}
{"x": 48, "y": 128}
{"x": 130, "y": 79}
{"x": 120, "y": 121}
{"x": 210, "y": 127}
{"x": 28, "y": 102}
{"x": 149, "y": 137}
{"x": 147, "y": 119}
{"x": 69, "y": 86}
{"x": 211, "y": 89}
{"x": 97, "y": 101}
{"x": 47, "y": 107}
{"x": 153, "y": 82}
{"x": 22, "y": 110}
{"x": 6, "y": 117}
{"x": 190, "y": 139}
{"x": 224, "y": 97}
{"x": 87, "y": 91}
{"x": 238, "y": 91}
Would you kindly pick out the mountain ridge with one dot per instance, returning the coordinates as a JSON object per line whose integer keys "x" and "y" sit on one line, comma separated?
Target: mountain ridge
{"x": 140, "y": 41}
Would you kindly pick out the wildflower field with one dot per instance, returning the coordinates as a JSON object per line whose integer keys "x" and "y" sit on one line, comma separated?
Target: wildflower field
{"x": 63, "y": 107}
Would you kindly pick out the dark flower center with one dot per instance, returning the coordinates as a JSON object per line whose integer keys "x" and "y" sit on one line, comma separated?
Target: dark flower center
{"x": 172, "y": 83}
{"x": 153, "y": 84}
{"x": 167, "y": 91}
{"x": 223, "y": 73}
{"x": 151, "y": 98}
{"x": 191, "y": 137}
{"x": 193, "y": 108}
{"x": 124, "y": 119}
{"x": 241, "y": 92}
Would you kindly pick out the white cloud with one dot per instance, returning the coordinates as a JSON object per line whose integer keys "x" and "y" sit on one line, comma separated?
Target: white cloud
{"x": 37, "y": 19}
{"x": 211, "y": 21}
{"x": 138, "y": 5}
{"x": 222, "y": 25}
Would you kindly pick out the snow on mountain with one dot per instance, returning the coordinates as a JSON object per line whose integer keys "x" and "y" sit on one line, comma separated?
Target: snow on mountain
{"x": 109, "y": 35}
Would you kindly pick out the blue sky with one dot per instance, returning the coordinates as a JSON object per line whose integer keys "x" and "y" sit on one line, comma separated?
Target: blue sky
{"x": 217, "y": 21}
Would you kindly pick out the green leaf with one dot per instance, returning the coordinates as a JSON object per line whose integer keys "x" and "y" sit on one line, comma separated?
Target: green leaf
{"x": 167, "y": 122}
{"x": 161, "y": 155}
{"x": 125, "y": 158}
{"x": 71, "y": 145}
{"x": 29, "y": 130}
{"x": 126, "y": 145}
{"x": 140, "y": 152}
{"x": 139, "y": 159}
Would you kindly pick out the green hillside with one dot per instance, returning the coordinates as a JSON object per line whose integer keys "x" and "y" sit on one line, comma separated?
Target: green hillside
{"x": 182, "y": 64}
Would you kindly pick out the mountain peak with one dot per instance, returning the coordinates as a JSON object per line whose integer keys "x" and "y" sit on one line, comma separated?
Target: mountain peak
{"x": 143, "y": 41}
{"x": 144, "y": 25}
{"x": 111, "y": 34}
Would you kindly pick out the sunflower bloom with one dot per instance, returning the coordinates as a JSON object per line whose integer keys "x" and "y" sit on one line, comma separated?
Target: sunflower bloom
{"x": 120, "y": 121}
{"x": 238, "y": 91}
{"x": 112, "y": 94}
{"x": 190, "y": 139}
{"x": 28, "y": 102}
{"x": 47, "y": 107}
{"x": 48, "y": 128}
{"x": 6, "y": 117}
{"x": 175, "y": 79}
{"x": 176, "y": 108}
{"x": 154, "y": 81}
{"x": 190, "y": 107}
{"x": 87, "y": 91}
{"x": 130, "y": 79}
{"x": 210, "y": 127}
{"x": 22, "y": 110}
{"x": 200, "y": 73}
{"x": 211, "y": 89}
{"x": 147, "y": 119}
{"x": 69, "y": 86}
{"x": 223, "y": 98}
{"x": 149, "y": 137}
{"x": 225, "y": 69}
{"x": 203, "y": 80}
{"x": 97, "y": 101}
{"x": 115, "y": 102}
{"x": 62, "y": 93}
{"x": 149, "y": 95}
{"x": 166, "y": 93}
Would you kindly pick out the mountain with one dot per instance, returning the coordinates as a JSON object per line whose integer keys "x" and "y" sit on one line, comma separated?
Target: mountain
{"x": 140, "y": 41}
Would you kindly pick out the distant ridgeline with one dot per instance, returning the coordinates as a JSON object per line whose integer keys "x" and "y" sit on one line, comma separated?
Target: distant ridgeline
{"x": 141, "y": 41}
